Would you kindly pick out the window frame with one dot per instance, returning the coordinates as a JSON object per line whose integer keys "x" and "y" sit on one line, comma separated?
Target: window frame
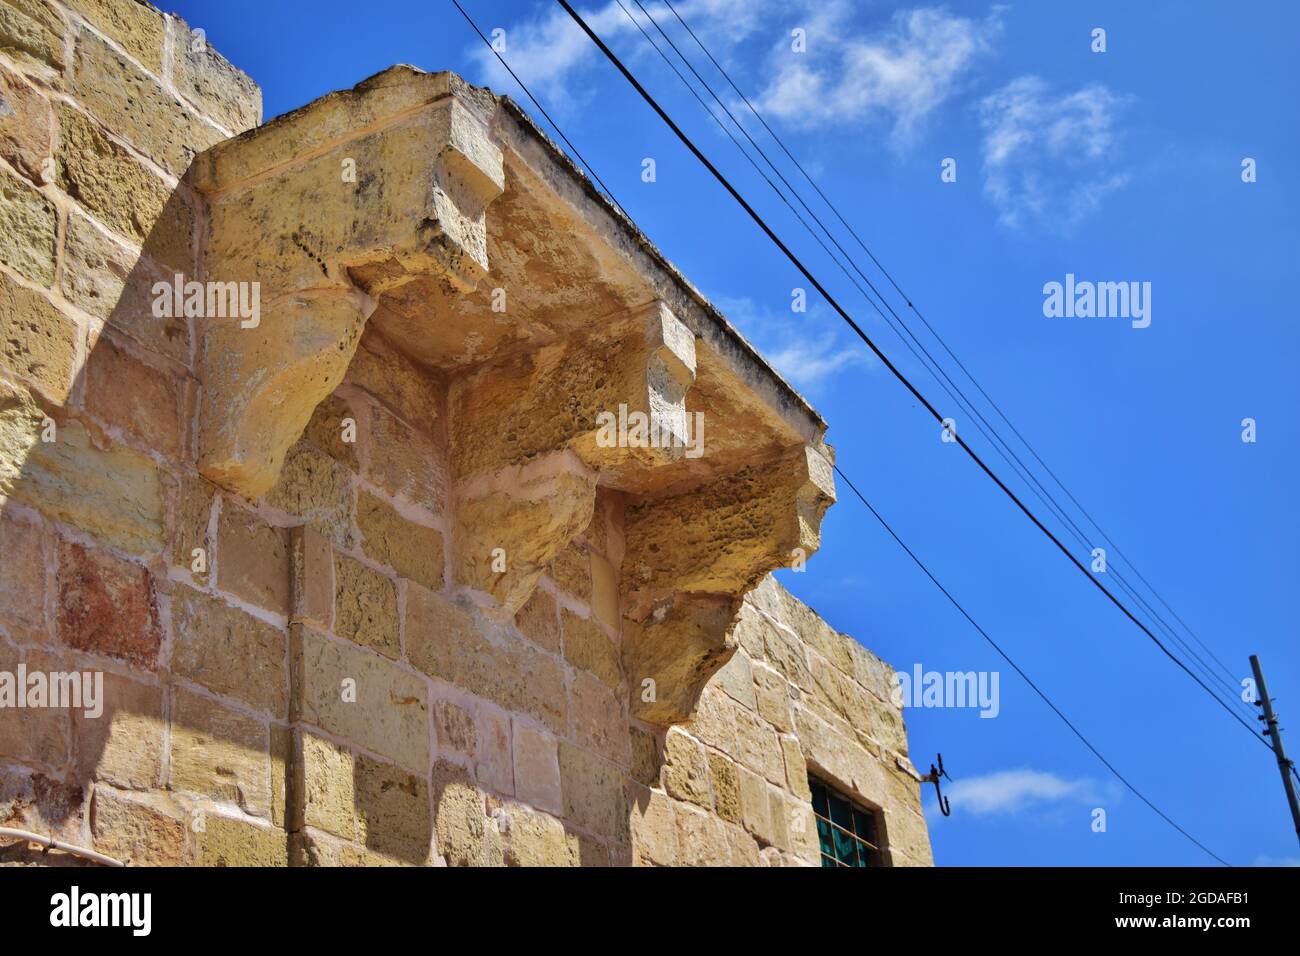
{"x": 872, "y": 854}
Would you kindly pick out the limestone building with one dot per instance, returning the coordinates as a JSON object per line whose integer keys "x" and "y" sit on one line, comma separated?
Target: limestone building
{"x": 321, "y": 455}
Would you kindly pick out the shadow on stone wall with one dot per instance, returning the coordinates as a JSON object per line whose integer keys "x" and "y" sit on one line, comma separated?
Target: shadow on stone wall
{"x": 101, "y": 509}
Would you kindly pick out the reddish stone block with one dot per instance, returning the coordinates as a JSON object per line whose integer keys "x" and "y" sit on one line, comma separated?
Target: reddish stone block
{"x": 107, "y": 606}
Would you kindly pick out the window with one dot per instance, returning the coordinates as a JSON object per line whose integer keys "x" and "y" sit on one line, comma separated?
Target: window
{"x": 848, "y": 834}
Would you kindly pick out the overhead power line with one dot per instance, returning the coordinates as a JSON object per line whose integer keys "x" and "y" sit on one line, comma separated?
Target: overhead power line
{"x": 1016, "y": 667}
{"x": 885, "y": 360}
{"x": 899, "y": 325}
{"x": 1231, "y": 678}
{"x": 890, "y": 530}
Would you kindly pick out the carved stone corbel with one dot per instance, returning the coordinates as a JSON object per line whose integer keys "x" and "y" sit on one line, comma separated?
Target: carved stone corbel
{"x": 321, "y": 230}
{"x": 692, "y": 557}
{"x": 512, "y": 523}
{"x": 558, "y": 396}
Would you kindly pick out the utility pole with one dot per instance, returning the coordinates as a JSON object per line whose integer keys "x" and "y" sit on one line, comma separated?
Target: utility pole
{"x": 1275, "y": 737}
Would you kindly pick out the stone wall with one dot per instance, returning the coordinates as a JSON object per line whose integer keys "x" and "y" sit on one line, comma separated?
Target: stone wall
{"x": 305, "y": 677}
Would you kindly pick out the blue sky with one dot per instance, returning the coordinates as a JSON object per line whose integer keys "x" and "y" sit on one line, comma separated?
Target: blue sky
{"x": 1117, "y": 166}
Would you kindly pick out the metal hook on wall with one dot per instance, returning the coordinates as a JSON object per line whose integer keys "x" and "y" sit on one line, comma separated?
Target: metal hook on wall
{"x": 933, "y": 777}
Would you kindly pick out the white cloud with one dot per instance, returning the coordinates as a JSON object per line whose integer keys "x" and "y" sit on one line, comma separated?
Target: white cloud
{"x": 805, "y": 358}
{"x": 1049, "y": 160}
{"x": 900, "y": 74}
{"x": 546, "y": 50}
{"x": 1016, "y": 791}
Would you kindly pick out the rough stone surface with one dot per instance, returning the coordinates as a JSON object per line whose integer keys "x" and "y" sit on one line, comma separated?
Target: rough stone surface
{"x": 372, "y": 588}
{"x": 143, "y": 400}
{"x": 25, "y": 132}
{"x": 23, "y": 578}
{"x": 219, "y": 752}
{"x": 137, "y": 27}
{"x": 229, "y": 651}
{"x": 28, "y": 223}
{"x": 136, "y": 833}
{"x": 359, "y": 696}
{"x": 124, "y": 744}
{"x": 365, "y": 607}
{"x": 32, "y": 33}
{"x": 107, "y": 606}
{"x": 412, "y": 550}
{"x": 136, "y": 106}
{"x": 204, "y": 77}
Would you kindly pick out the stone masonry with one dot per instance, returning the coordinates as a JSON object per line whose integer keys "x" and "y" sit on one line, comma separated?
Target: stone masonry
{"x": 365, "y": 580}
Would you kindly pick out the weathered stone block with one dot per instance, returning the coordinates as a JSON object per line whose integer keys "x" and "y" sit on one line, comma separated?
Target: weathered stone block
{"x": 701, "y": 838}
{"x": 23, "y": 589}
{"x": 538, "y": 621}
{"x": 736, "y": 679}
{"x": 28, "y": 226}
{"x": 653, "y": 827}
{"x": 191, "y": 517}
{"x": 329, "y": 786}
{"x": 37, "y": 342}
{"x": 124, "y": 745}
{"x": 460, "y": 822}
{"x": 454, "y": 729}
{"x": 116, "y": 189}
{"x": 316, "y": 488}
{"x": 219, "y": 752}
{"x": 593, "y": 792}
{"x": 686, "y": 769}
{"x": 536, "y": 839}
{"x": 113, "y": 282}
{"x": 312, "y": 574}
{"x": 143, "y": 400}
{"x": 107, "y": 606}
{"x": 412, "y": 550}
{"x": 106, "y": 490}
{"x": 136, "y": 107}
{"x": 406, "y": 388}
{"x": 30, "y": 800}
{"x": 405, "y": 462}
{"x": 225, "y": 841}
{"x": 365, "y": 607}
{"x": 393, "y": 810}
{"x": 755, "y": 805}
{"x": 571, "y": 572}
{"x": 494, "y": 763}
{"x": 25, "y": 132}
{"x": 205, "y": 78}
{"x": 137, "y": 27}
{"x": 599, "y": 722}
{"x": 537, "y": 769}
{"x": 796, "y": 768}
{"x": 726, "y": 787}
{"x": 330, "y": 431}
{"x": 645, "y": 757}
{"x": 32, "y": 33}
{"x": 443, "y": 640}
{"x": 229, "y": 652}
{"x": 363, "y": 698}
{"x": 38, "y": 736}
{"x": 772, "y": 695}
{"x": 136, "y": 833}
{"x": 511, "y": 524}
{"x": 587, "y": 646}
{"x": 605, "y": 602}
